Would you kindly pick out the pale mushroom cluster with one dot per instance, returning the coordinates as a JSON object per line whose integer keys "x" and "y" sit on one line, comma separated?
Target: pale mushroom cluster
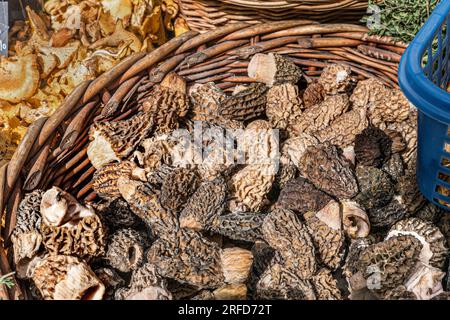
{"x": 338, "y": 216}
{"x": 69, "y": 42}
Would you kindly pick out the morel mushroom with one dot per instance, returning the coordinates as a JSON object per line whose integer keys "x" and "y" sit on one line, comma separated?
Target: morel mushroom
{"x": 394, "y": 167}
{"x": 239, "y": 226}
{"x": 126, "y": 250}
{"x": 408, "y": 130}
{"x": 284, "y": 232}
{"x": 117, "y": 214}
{"x": 388, "y": 215}
{"x": 355, "y": 220}
{"x": 279, "y": 282}
{"x": 301, "y": 196}
{"x": 67, "y": 278}
{"x": 273, "y": 69}
{"x": 115, "y": 141}
{"x": 392, "y": 107}
{"x": 111, "y": 280}
{"x": 26, "y": 237}
{"x": 177, "y": 188}
{"x": 326, "y": 168}
{"x": 425, "y": 282}
{"x": 388, "y": 264}
{"x": 372, "y": 147}
{"x": 434, "y": 245}
{"x": 325, "y": 228}
{"x": 145, "y": 284}
{"x": 320, "y": 116}
{"x": 368, "y": 92}
{"x": 313, "y": 94}
{"x": 189, "y": 258}
{"x": 336, "y": 78}
{"x": 326, "y": 286}
{"x": 207, "y": 203}
{"x": 167, "y": 103}
{"x": 343, "y": 130}
{"x": 105, "y": 179}
{"x": 376, "y": 188}
{"x": 284, "y": 106}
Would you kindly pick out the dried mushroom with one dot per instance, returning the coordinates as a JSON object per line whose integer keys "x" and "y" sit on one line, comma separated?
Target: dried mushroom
{"x": 313, "y": 94}
{"x": 425, "y": 282}
{"x": 105, "y": 178}
{"x": 167, "y": 103}
{"x": 394, "y": 167}
{"x": 392, "y": 107}
{"x": 279, "y": 282}
{"x": 125, "y": 250}
{"x": 336, "y": 78}
{"x": 368, "y": 92}
{"x": 326, "y": 168}
{"x": 388, "y": 264}
{"x": 251, "y": 185}
{"x": 372, "y": 147}
{"x": 115, "y": 141}
{"x": 206, "y": 203}
{"x": 408, "y": 130}
{"x": 23, "y": 77}
{"x": 294, "y": 148}
{"x": 430, "y": 212}
{"x": 189, "y": 258}
{"x": 111, "y": 280}
{"x": 239, "y": 226}
{"x": 326, "y": 286}
{"x": 320, "y": 116}
{"x": 67, "y": 278}
{"x": 26, "y": 237}
{"x": 325, "y": 228}
{"x": 117, "y": 214}
{"x": 376, "y": 188}
{"x": 434, "y": 251}
{"x": 301, "y": 196}
{"x": 284, "y": 232}
{"x": 343, "y": 130}
{"x": 408, "y": 193}
{"x": 284, "y": 106}
{"x": 145, "y": 284}
{"x": 273, "y": 69}
{"x": 388, "y": 215}
{"x": 177, "y": 188}
{"x": 355, "y": 220}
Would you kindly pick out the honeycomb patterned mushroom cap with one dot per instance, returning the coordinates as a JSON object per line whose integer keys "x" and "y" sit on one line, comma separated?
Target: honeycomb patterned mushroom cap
{"x": 157, "y": 152}
{"x": 177, "y": 188}
{"x": 63, "y": 277}
{"x": 85, "y": 239}
{"x": 434, "y": 245}
{"x": 320, "y": 116}
{"x": 115, "y": 141}
{"x": 284, "y": 232}
{"x": 388, "y": 215}
{"x": 326, "y": 286}
{"x": 408, "y": 130}
{"x": 279, "y": 282}
{"x": 325, "y": 228}
{"x": 191, "y": 259}
{"x": 313, "y": 94}
{"x": 329, "y": 171}
{"x": 145, "y": 284}
{"x": 117, "y": 214}
{"x": 204, "y": 206}
{"x": 301, "y": 196}
{"x": 26, "y": 237}
{"x": 388, "y": 264}
{"x": 243, "y": 226}
{"x": 391, "y": 107}
{"x": 167, "y": 103}
{"x": 105, "y": 179}
{"x": 343, "y": 130}
{"x": 336, "y": 78}
{"x": 394, "y": 167}
{"x": 284, "y": 106}
{"x": 376, "y": 188}
{"x": 126, "y": 250}
{"x": 294, "y": 148}
{"x": 372, "y": 147}
{"x": 368, "y": 92}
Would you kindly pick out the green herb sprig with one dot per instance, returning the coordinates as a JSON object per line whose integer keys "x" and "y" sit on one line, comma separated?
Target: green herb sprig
{"x": 400, "y": 19}
{"x": 7, "y": 280}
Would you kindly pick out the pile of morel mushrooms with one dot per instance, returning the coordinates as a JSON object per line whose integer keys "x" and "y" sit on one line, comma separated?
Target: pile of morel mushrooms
{"x": 336, "y": 214}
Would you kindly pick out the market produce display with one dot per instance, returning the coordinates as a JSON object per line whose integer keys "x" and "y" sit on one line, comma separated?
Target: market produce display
{"x": 70, "y": 42}
{"x": 253, "y": 161}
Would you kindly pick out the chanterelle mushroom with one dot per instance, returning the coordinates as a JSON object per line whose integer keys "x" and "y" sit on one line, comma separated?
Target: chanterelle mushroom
{"x": 22, "y": 77}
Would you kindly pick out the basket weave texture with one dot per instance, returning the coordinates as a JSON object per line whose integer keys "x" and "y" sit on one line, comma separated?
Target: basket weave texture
{"x": 54, "y": 149}
{"x": 202, "y": 15}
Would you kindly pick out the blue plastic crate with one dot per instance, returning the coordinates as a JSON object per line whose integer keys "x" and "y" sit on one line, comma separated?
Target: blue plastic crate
{"x": 424, "y": 76}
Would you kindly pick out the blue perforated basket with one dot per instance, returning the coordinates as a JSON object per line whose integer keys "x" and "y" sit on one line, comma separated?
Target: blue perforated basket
{"x": 424, "y": 75}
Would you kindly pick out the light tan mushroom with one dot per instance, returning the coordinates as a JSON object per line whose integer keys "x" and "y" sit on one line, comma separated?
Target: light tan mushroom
{"x": 64, "y": 54}
{"x": 355, "y": 220}
{"x": 21, "y": 75}
{"x": 425, "y": 282}
{"x": 118, "y": 38}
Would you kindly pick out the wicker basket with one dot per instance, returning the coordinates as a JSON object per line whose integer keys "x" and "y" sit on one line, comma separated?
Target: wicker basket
{"x": 53, "y": 151}
{"x": 202, "y": 15}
